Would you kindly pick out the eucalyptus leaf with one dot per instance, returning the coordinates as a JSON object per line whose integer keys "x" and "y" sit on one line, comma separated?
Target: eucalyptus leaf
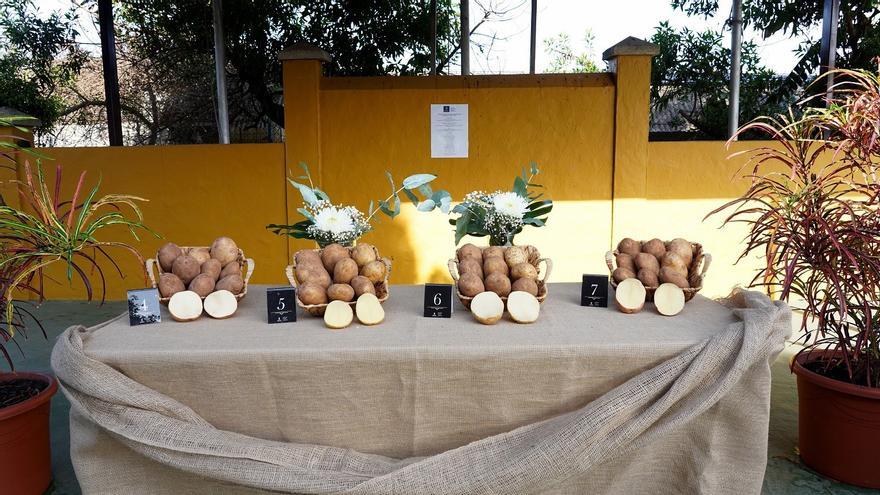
{"x": 308, "y": 195}
{"x": 412, "y": 197}
{"x": 304, "y": 212}
{"x": 426, "y": 190}
{"x": 534, "y": 167}
{"x": 461, "y": 227}
{"x": 414, "y": 181}
{"x": 519, "y": 187}
{"x": 426, "y": 205}
{"x": 445, "y": 203}
{"x": 391, "y": 181}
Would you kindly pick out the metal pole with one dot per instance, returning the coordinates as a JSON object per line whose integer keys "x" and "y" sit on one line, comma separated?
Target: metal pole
{"x": 465, "y": 45}
{"x": 433, "y": 37}
{"x": 111, "y": 78}
{"x": 828, "y": 48}
{"x": 534, "y": 37}
{"x": 735, "y": 66}
{"x": 220, "y": 73}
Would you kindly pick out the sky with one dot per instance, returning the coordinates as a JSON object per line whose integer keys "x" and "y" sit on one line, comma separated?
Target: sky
{"x": 609, "y": 22}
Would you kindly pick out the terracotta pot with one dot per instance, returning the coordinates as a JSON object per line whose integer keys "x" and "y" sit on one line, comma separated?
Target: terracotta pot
{"x": 838, "y": 425}
{"x": 25, "y": 461}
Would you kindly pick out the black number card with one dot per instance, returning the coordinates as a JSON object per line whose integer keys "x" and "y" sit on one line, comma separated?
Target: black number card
{"x": 594, "y": 291}
{"x": 438, "y": 301}
{"x": 281, "y": 304}
{"x": 143, "y": 307}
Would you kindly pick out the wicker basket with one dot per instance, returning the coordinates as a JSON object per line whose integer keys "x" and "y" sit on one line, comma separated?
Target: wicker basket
{"x": 247, "y": 269}
{"x": 696, "y": 272}
{"x": 541, "y": 282}
{"x": 382, "y": 288}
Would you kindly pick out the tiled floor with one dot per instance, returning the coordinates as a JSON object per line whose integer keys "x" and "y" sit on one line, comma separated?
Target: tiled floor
{"x": 785, "y": 475}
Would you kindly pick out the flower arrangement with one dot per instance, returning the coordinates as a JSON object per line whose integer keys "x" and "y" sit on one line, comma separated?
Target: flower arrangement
{"x": 502, "y": 214}
{"x": 327, "y": 223}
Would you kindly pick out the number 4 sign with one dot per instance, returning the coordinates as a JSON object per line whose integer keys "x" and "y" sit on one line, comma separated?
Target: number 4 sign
{"x": 281, "y": 304}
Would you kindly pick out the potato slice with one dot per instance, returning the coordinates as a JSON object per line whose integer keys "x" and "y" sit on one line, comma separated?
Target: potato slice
{"x": 369, "y": 310}
{"x": 630, "y": 296}
{"x": 523, "y": 307}
{"x": 220, "y": 304}
{"x": 338, "y": 315}
{"x": 487, "y": 308}
{"x": 669, "y": 299}
{"x": 185, "y": 306}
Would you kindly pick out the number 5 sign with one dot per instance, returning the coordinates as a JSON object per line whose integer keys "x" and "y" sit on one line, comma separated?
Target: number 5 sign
{"x": 281, "y": 304}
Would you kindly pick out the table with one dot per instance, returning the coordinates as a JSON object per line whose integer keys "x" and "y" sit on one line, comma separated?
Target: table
{"x": 414, "y": 386}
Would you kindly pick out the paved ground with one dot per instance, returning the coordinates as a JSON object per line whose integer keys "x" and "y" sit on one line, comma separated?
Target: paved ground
{"x": 785, "y": 475}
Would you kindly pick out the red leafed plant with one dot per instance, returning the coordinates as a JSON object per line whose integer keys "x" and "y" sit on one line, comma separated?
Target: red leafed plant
{"x": 813, "y": 212}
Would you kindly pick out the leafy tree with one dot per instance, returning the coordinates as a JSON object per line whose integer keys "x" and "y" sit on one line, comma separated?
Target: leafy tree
{"x": 563, "y": 57}
{"x": 37, "y": 57}
{"x": 692, "y": 72}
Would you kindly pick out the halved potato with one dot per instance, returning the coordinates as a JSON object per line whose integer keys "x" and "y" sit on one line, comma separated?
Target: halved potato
{"x": 523, "y": 307}
{"x": 369, "y": 310}
{"x": 338, "y": 315}
{"x": 220, "y": 304}
{"x": 185, "y": 306}
{"x": 487, "y": 308}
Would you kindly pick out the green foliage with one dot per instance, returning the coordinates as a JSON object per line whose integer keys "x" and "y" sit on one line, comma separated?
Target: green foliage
{"x": 563, "y": 57}
{"x": 694, "y": 68}
{"x": 37, "y": 57}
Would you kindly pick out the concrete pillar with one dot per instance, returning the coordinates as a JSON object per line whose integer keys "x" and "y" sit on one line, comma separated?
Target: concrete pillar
{"x": 301, "y": 66}
{"x": 630, "y": 61}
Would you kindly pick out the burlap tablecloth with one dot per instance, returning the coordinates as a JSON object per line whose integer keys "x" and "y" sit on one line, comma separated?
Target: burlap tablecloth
{"x": 587, "y": 400}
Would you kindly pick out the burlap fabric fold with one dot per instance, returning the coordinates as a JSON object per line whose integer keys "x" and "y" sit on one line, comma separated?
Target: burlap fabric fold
{"x": 534, "y": 458}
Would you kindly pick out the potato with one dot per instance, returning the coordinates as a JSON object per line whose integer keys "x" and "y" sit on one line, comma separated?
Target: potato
{"x": 185, "y": 306}
{"x": 345, "y": 270}
{"x": 493, "y": 251}
{"x": 186, "y": 268}
{"x": 338, "y": 315}
{"x": 470, "y": 265}
{"x": 375, "y": 271}
{"x": 674, "y": 261}
{"x": 200, "y": 254}
{"x": 648, "y": 278}
{"x": 232, "y": 283}
{"x": 626, "y": 261}
{"x": 494, "y": 264}
{"x": 630, "y": 296}
{"x": 362, "y": 285}
{"x": 487, "y": 308}
{"x": 213, "y": 269}
{"x": 620, "y": 274}
{"x": 363, "y": 254}
{"x": 202, "y": 285}
{"x": 629, "y": 246}
{"x": 498, "y": 283}
{"x": 331, "y": 254}
{"x": 470, "y": 251}
{"x": 220, "y": 304}
{"x": 523, "y": 307}
{"x": 224, "y": 250}
{"x": 645, "y": 261}
{"x": 313, "y": 275}
{"x": 655, "y": 247}
{"x": 310, "y": 294}
{"x": 669, "y": 299}
{"x": 673, "y": 276}
{"x": 523, "y": 270}
{"x": 369, "y": 310}
{"x": 515, "y": 255}
{"x": 340, "y": 292}
{"x": 470, "y": 284}
{"x": 683, "y": 248}
{"x": 170, "y": 284}
{"x": 167, "y": 254}
{"x": 307, "y": 256}
{"x": 231, "y": 268}
{"x": 525, "y": 285}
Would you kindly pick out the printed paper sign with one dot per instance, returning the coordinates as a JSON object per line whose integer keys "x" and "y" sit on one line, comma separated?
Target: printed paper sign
{"x": 449, "y": 131}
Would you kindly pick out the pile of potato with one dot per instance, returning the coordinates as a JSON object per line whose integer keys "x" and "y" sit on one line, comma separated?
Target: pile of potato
{"x": 497, "y": 269}
{"x": 656, "y": 262}
{"x": 338, "y": 273}
{"x": 200, "y": 269}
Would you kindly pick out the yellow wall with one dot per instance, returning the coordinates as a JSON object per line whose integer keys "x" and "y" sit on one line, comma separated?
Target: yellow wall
{"x": 196, "y": 194}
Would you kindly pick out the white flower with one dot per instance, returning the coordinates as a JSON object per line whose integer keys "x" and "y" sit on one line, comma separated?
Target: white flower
{"x": 510, "y": 204}
{"x": 334, "y": 220}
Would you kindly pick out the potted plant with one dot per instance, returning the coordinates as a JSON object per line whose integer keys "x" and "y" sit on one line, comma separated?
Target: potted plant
{"x": 813, "y": 212}
{"x": 52, "y": 230}
{"x": 328, "y": 223}
{"x": 501, "y": 215}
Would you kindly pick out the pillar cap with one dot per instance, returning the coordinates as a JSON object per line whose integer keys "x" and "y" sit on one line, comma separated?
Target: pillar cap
{"x": 304, "y": 51}
{"x": 18, "y": 118}
{"x": 631, "y": 46}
